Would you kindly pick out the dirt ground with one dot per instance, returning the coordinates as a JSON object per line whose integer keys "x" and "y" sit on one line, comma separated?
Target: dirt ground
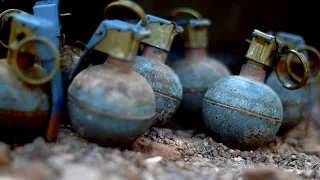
{"x": 163, "y": 154}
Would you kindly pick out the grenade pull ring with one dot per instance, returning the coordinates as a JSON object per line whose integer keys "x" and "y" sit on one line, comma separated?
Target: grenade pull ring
{"x": 129, "y": 5}
{"x": 6, "y": 12}
{"x": 305, "y": 69}
{"x": 185, "y": 10}
{"x": 301, "y": 57}
{"x": 16, "y": 47}
{"x": 297, "y": 78}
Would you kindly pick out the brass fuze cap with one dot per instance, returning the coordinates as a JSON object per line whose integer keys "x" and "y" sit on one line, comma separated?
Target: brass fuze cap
{"x": 262, "y": 49}
{"x": 162, "y": 32}
{"x": 196, "y": 33}
{"x": 195, "y": 29}
{"x": 120, "y": 39}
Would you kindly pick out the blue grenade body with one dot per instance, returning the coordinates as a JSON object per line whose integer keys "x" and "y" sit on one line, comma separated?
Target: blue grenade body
{"x": 196, "y": 70}
{"x": 69, "y": 58}
{"x": 196, "y": 77}
{"x": 108, "y": 105}
{"x": 165, "y": 84}
{"x": 25, "y": 109}
{"x": 163, "y": 80}
{"x": 296, "y": 103}
{"x": 299, "y": 103}
{"x": 242, "y": 112}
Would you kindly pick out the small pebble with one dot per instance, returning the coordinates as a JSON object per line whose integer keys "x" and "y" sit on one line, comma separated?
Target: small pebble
{"x": 237, "y": 159}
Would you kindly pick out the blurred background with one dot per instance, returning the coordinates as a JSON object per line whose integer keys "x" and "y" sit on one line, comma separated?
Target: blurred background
{"x": 232, "y": 21}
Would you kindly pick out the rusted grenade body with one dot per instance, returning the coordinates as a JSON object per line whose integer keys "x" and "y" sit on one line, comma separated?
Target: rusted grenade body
{"x": 70, "y": 56}
{"x": 297, "y": 104}
{"x": 25, "y": 93}
{"x": 110, "y": 104}
{"x": 196, "y": 70}
{"x": 163, "y": 80}
{"x": 241, "y": 110}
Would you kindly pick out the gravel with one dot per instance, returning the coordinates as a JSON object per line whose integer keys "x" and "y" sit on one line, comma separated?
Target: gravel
{"x": 162, "y": 154}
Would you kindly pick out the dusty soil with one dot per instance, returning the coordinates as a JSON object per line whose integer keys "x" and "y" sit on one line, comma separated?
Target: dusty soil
{"x": 162, "y": 154}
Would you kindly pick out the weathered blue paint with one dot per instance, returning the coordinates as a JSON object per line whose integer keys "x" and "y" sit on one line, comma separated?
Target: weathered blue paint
{"x": 196, "y": 76}
{"x": 155, "y": 19}
{"x": 49, "y": 10}
{"x": 114, "y": 131}
{"x": 110, "y": 107}
{"x": 242, "y": 112}
{"x": 194, "y": 23}
{"x": 165, "y": 84}
{"x": 297, "y": 104}
{"x": 24, "y": 108}
{"x": 106, "y": 105}
{"x": 163, "y": 80}
{"x": 11, "y": 96}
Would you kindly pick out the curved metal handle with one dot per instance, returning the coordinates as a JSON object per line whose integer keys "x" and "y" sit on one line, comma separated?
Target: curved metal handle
{"x": 129, "y": 5}
{"x": 297, "y": 78}
{"x": 305, "y": 69}
{"x": 185, "y": 10}
{"x": 1, "y": 25}
{"x": 16, "y": 69}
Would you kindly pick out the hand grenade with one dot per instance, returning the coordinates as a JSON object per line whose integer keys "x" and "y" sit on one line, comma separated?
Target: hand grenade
{"x": 297, "y": 104}
{"x": 241, "y": 110}
{"x": 165, "y": 83}
{"x": 196, "y": 70}
{"x": 110, "y": 104}
{"x": 29, "y": 103}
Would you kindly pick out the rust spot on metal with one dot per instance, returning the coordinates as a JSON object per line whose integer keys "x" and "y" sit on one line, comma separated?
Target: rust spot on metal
{"x": 104, "y": 113}
{"x": 52, "y": 128}
{"x": 155, "y": 53}
{"x": 121, "y": 65}
{"x": 253, "y": 72}
{"x": 25, "y": 120}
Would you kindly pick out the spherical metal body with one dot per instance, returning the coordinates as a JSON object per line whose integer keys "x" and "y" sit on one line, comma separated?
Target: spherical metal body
{"x": 165, "y": 84}
{"x": 196, "y": 76}
{"x": 110, "y": 107}
{"x": 70, "y": 56}
{"x": 296, "y": 103}
{"x": 243, "y": 113}
{"x": 24, "y": 108}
